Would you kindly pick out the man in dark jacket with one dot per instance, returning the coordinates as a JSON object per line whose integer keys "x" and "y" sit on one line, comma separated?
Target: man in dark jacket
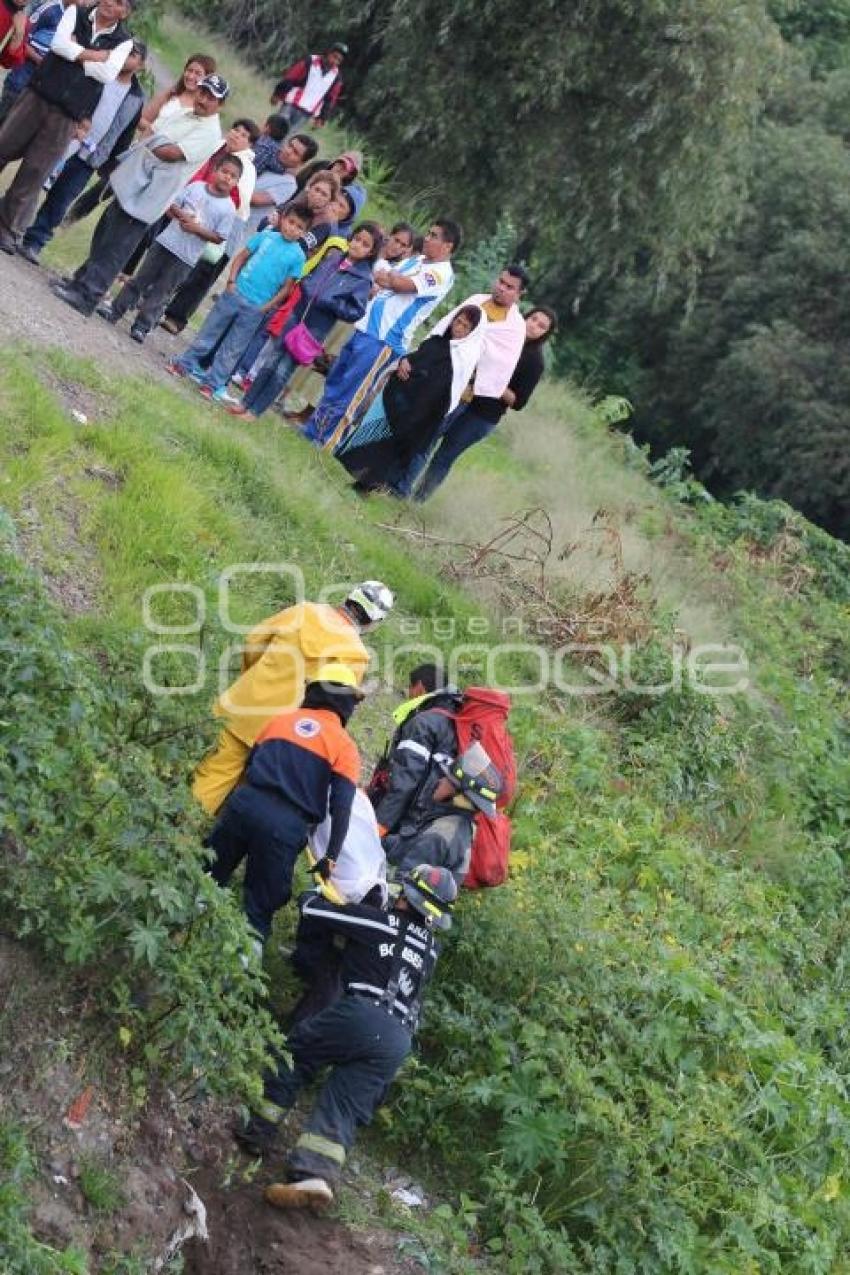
{"x": 426, "y": 811}
{"x": 311, "y": 87}
{"x": 364, "y": 1036}
{"x": 113, "y": 125}
{"x": 88, "y": 51}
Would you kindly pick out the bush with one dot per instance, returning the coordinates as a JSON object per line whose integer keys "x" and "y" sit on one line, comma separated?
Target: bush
{"x": 102, "y": 864}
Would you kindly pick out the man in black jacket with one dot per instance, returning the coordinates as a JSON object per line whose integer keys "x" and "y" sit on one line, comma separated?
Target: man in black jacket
{"x": 364, "y": 1037}
{"x": 113, "y": 126}
{"x": 88, "y": 51}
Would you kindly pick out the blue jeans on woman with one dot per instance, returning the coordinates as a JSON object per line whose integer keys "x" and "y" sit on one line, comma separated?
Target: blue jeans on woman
{"x": 274, "y": 374}
{"x": 465, "y": 429}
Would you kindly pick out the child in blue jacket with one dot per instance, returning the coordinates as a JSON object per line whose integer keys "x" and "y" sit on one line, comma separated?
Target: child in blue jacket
{"x": 338, "y": 288}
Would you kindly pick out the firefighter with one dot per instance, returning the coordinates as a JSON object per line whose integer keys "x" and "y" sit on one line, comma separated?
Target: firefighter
{"x": 281, "y": 655}
{"x": 439, "y": 825}
{"x": 304, "y": 767}
{"x": 364, "y": 1037}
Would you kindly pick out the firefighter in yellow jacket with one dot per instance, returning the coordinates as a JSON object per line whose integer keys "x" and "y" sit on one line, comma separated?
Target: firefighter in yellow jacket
{"x": 281, "y": 655}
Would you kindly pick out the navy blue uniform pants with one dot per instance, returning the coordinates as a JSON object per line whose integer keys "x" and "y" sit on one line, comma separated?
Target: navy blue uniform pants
{"x": 268, "y": 833}
{"x": 365, "y": 1047}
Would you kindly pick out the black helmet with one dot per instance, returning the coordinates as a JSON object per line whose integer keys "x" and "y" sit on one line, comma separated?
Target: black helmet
{"x": 431, "y": 891}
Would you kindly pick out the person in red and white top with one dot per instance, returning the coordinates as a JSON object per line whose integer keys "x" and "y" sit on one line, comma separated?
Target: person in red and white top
{"x": 311, "y": 88}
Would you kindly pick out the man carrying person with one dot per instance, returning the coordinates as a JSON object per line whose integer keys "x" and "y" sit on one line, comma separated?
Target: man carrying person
{"x": 473, "y": 419}
{"x": 88, "y": 50}
{"x": 144, "y": 185}
{"x": 112, "y": 127}
{"x": 425, "y": 795}
{"x": 280, "y": 656}
{"x": 311, "y": 88}
{"x": 365, "y": 1036}
{"x": 406, "y": 296}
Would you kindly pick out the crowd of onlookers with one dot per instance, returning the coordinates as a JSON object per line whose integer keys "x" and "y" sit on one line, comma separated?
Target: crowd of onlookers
{"x": 318, "y": 306}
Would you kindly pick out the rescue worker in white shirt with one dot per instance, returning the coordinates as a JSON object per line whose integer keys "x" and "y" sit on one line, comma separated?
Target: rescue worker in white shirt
{"x": 360, "y": 876}
{"x": 311, "y": 88}
{"x": 364, "y": 1037}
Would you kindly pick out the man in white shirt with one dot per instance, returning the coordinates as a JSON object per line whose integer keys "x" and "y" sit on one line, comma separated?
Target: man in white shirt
{"x": 406, "y": 296}
{"x": 88, "y": 50}
{"x": 145, "y": 183}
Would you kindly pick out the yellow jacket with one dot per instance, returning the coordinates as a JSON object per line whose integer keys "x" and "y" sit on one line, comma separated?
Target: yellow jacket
{"x": 281, "y": 655}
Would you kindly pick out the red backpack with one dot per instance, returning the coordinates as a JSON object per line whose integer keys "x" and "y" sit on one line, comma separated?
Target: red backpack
{"x": 483, "y": 717}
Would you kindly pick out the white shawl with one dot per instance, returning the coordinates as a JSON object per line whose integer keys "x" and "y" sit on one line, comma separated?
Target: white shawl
{"x": 503, "y": 344}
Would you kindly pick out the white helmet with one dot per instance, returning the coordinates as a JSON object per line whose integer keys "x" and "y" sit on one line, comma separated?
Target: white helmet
{"x": 373, "y": 599}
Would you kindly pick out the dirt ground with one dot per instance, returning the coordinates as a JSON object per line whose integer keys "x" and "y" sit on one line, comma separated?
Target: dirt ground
{"x": 29, "y": 312}
{"x": 171, "y": 1167}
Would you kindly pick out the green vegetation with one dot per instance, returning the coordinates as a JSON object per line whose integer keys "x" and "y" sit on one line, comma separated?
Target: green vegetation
{"x": 635, "y": 1055}
{"x": 20, "y": 1252}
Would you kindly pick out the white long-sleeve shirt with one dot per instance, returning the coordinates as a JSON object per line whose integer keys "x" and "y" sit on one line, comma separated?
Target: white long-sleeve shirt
{"x": 66, "y": 46}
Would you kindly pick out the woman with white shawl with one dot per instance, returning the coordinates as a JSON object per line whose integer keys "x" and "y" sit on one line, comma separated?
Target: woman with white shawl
{"x": 405, "y": 417}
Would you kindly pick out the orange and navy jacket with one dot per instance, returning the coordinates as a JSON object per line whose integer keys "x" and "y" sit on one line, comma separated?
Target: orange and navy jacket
{"x": 308, "y": 757}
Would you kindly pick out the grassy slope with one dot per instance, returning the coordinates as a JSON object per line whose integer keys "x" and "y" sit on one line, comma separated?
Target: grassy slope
{"x": 643, "y": 1035}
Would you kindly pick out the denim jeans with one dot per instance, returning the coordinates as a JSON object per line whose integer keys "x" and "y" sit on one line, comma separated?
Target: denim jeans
{"x": 404, "y": 485}
{"x": 230, "y": 325}
{"x": 465, "y": 429}
{"x": 278, "y": 366}
{"x": 70, "y": 183}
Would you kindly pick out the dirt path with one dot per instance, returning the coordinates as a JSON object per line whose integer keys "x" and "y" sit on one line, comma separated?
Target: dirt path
{"x": 29, "y": 311}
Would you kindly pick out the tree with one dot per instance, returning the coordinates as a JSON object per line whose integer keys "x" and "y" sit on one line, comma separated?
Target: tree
{"x": 755, "y": 376}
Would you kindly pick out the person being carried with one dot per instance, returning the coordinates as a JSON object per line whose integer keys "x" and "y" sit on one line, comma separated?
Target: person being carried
{"x": 280, "y": 656}
{"x": 337, "y": 289}
{"x": 406, "y": 296}
{"x": 405, "y": 417}
{"x": 365, "y": 1036}
{"x": 303, "y": 765}
{"x": 311, "y": 87}
{"x": 201, "y": 214}
{"x": 262, "y": 274}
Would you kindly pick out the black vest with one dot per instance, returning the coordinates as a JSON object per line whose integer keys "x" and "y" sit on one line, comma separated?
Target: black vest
{"x": 65, "y": 84}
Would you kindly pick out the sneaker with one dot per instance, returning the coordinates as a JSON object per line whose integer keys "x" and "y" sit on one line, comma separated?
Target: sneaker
{"x": 106, "y": 312}
{"x": 238, "y": 379}
{"x": 230, "y": 400}
{"x": 176, "y": 369}
{"x": 309, "y": 1193}
{"x": 138, "y": 333}
{"x": 205, "y": 391}
{"x": 29, "y": 252}
{"x": 172, "y": 326}
{"x": 256, "y": 1136}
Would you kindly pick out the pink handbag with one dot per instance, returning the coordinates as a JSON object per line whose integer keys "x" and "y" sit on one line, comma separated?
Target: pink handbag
{"x": 301, "y": 344}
